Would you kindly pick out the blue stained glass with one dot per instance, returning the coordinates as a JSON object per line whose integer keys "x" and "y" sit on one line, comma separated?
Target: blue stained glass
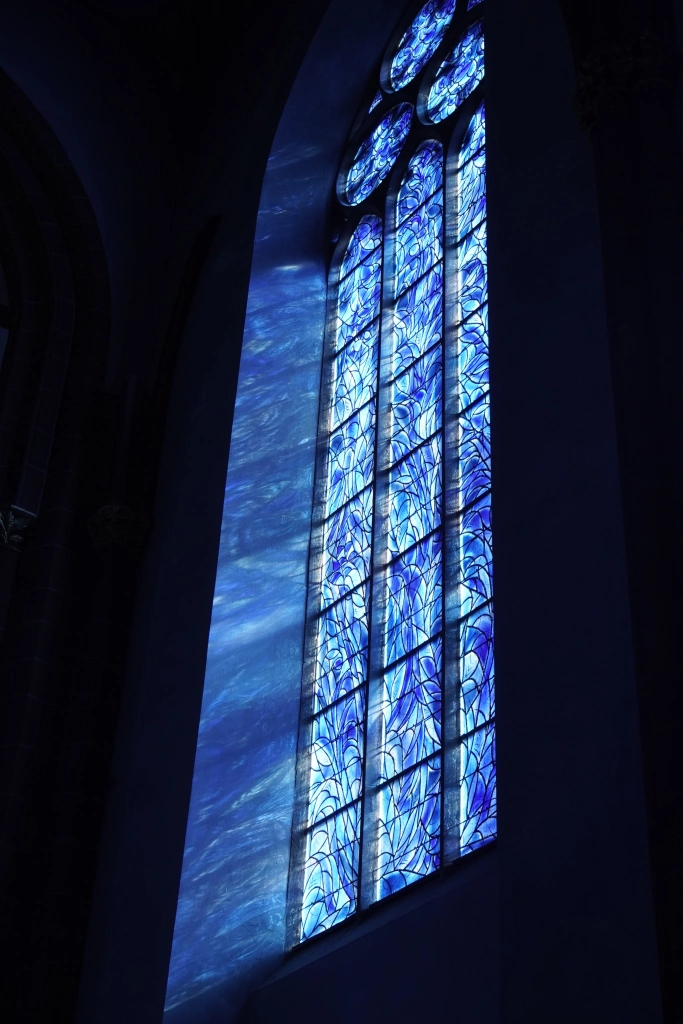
{"x": 377, "y": 153}
{"x": 409, "y": 833}
{"x": 416, "y": 404}
{"x": 475, "y": 452}
{"x": 418, "y": 318}
{"x": 359, "y": 294}
{"x": 352, "y": 450}
{"x": 420, "y": 41}
{"x": 476, "y": 569}
{"x": 342, "y": 648}
{"x": 472, "y": 194}
{"x": 412, "y": 710}
{"x": 366, "y": 237}
{"x": 337, "y": 756}
{"x": 472, "y": 278}
{"x": 414, "y": 598}
{"x": 418, "y": 242}
{"x": 331, "y": 872}
{"x": 346, "y": 557}
{"x": 478, "y": 789}
{"x": 473, "y": 357}
{"x": 377, "y": 99}
{"x": 475, "y": 136}
{"x": 415, "y": 487}
{"x": 459, "y": 74}
{"x": 476, "y": 670}
{"x": 472, "y": 3}
{"x": 423, "y": 177}
{"x": 355, "y": 374}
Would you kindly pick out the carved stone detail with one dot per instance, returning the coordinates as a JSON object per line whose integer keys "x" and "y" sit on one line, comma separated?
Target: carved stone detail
{"x": 119, "y": 525}
{"x": 12, "y": 522}
{"x": 619, "y": 68}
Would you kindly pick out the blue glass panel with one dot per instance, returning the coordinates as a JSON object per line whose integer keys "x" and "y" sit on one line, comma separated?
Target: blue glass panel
{"x": 337, "y": 756}
{"x": 461, "y": 71}
{"x": 359, "y": 294}
{"x": 366, "y": 237}
{"x": 478, "y": 789}
{"x": 355, "y": 374}
{"x": 415, "y": 487}
{"x": 416, "y": 404}
{"x": 423, "y": 177}
{"x": 418, "y": 319}
{"x": 342, "y": 650}
{"x": 352, "y": 448}
{"x": 473, "y": 357}
{"x": 418, "y": 242}
{"x": 474, "y": 452}
{"x": 346, "y": 557}
{"x": 377, "y": 99}
{"x": 410, "y": 818}
{"x": 376, "y": 155}
{"x": 331, "y": 872}
{"x": 471, "y": 193}
{"x": 475, "y": 136}
{"x": 414, "y": 598}
{"x": 472, "y": 280}
{"x": 476, "y": 568}
{"x": 412, "y": 710}
{"x": 420, "y": 41}
{"x": 476, "y": 671}
{"x": 472, "y": 3}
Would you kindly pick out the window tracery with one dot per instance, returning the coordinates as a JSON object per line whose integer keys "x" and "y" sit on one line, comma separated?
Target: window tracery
{"x": 397, "y": 758}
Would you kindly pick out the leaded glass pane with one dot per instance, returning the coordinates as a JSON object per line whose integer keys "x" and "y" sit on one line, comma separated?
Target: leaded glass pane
{"x": 418, "y": 242}
{"x": 348, "y": 537}
{"x": 415, "y": 485}
{"x": 359, "y": 294}
{"x": 478, "y": 789}
{"x": 418, "y": 318}
{"x": 411, "y": 710}
{"x": 474, "y": 452}
{"x": 420, "y": 41}
{"x": 475, "y": 137}
{"x": 337, "y": 756}
{"x": 477, "y": 697}
{"x": 355, "y": 371}
{"x": 342, "y": 648}
{"x": 410, "y": 827}
{"x": 352, "y": 451}
{"x": 366, "y": 238}
{"x": 472, "y": 272}
{"x": 331, "y": 871}
{"x": 423, "y": 178}
{"x": 457, "y": 77}
{"x": 377, "y": 154}
{"x": 416, "y": 404}
{"x": 377, "y": 99}
{"x": 472, "y": 194}
{"x": 476, "y": 567}
{"x": 473, "y": 357}
{"x": 414, "y": 598}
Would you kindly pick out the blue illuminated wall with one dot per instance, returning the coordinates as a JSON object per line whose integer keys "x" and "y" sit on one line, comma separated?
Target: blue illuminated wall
{"x": 230, "y": 920}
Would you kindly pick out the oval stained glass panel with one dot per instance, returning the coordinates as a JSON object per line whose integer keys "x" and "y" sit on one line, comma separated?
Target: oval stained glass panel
{"x": 461, "y": 71}
{"x": 377, "y": 153}
{"x": 420, "y": 41}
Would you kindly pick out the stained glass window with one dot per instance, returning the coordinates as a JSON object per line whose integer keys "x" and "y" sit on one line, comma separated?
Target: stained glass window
{"x": 397, "y": 770}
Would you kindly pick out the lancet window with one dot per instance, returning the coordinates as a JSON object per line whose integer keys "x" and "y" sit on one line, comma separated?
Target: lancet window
{"x": 396, "y": 769}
